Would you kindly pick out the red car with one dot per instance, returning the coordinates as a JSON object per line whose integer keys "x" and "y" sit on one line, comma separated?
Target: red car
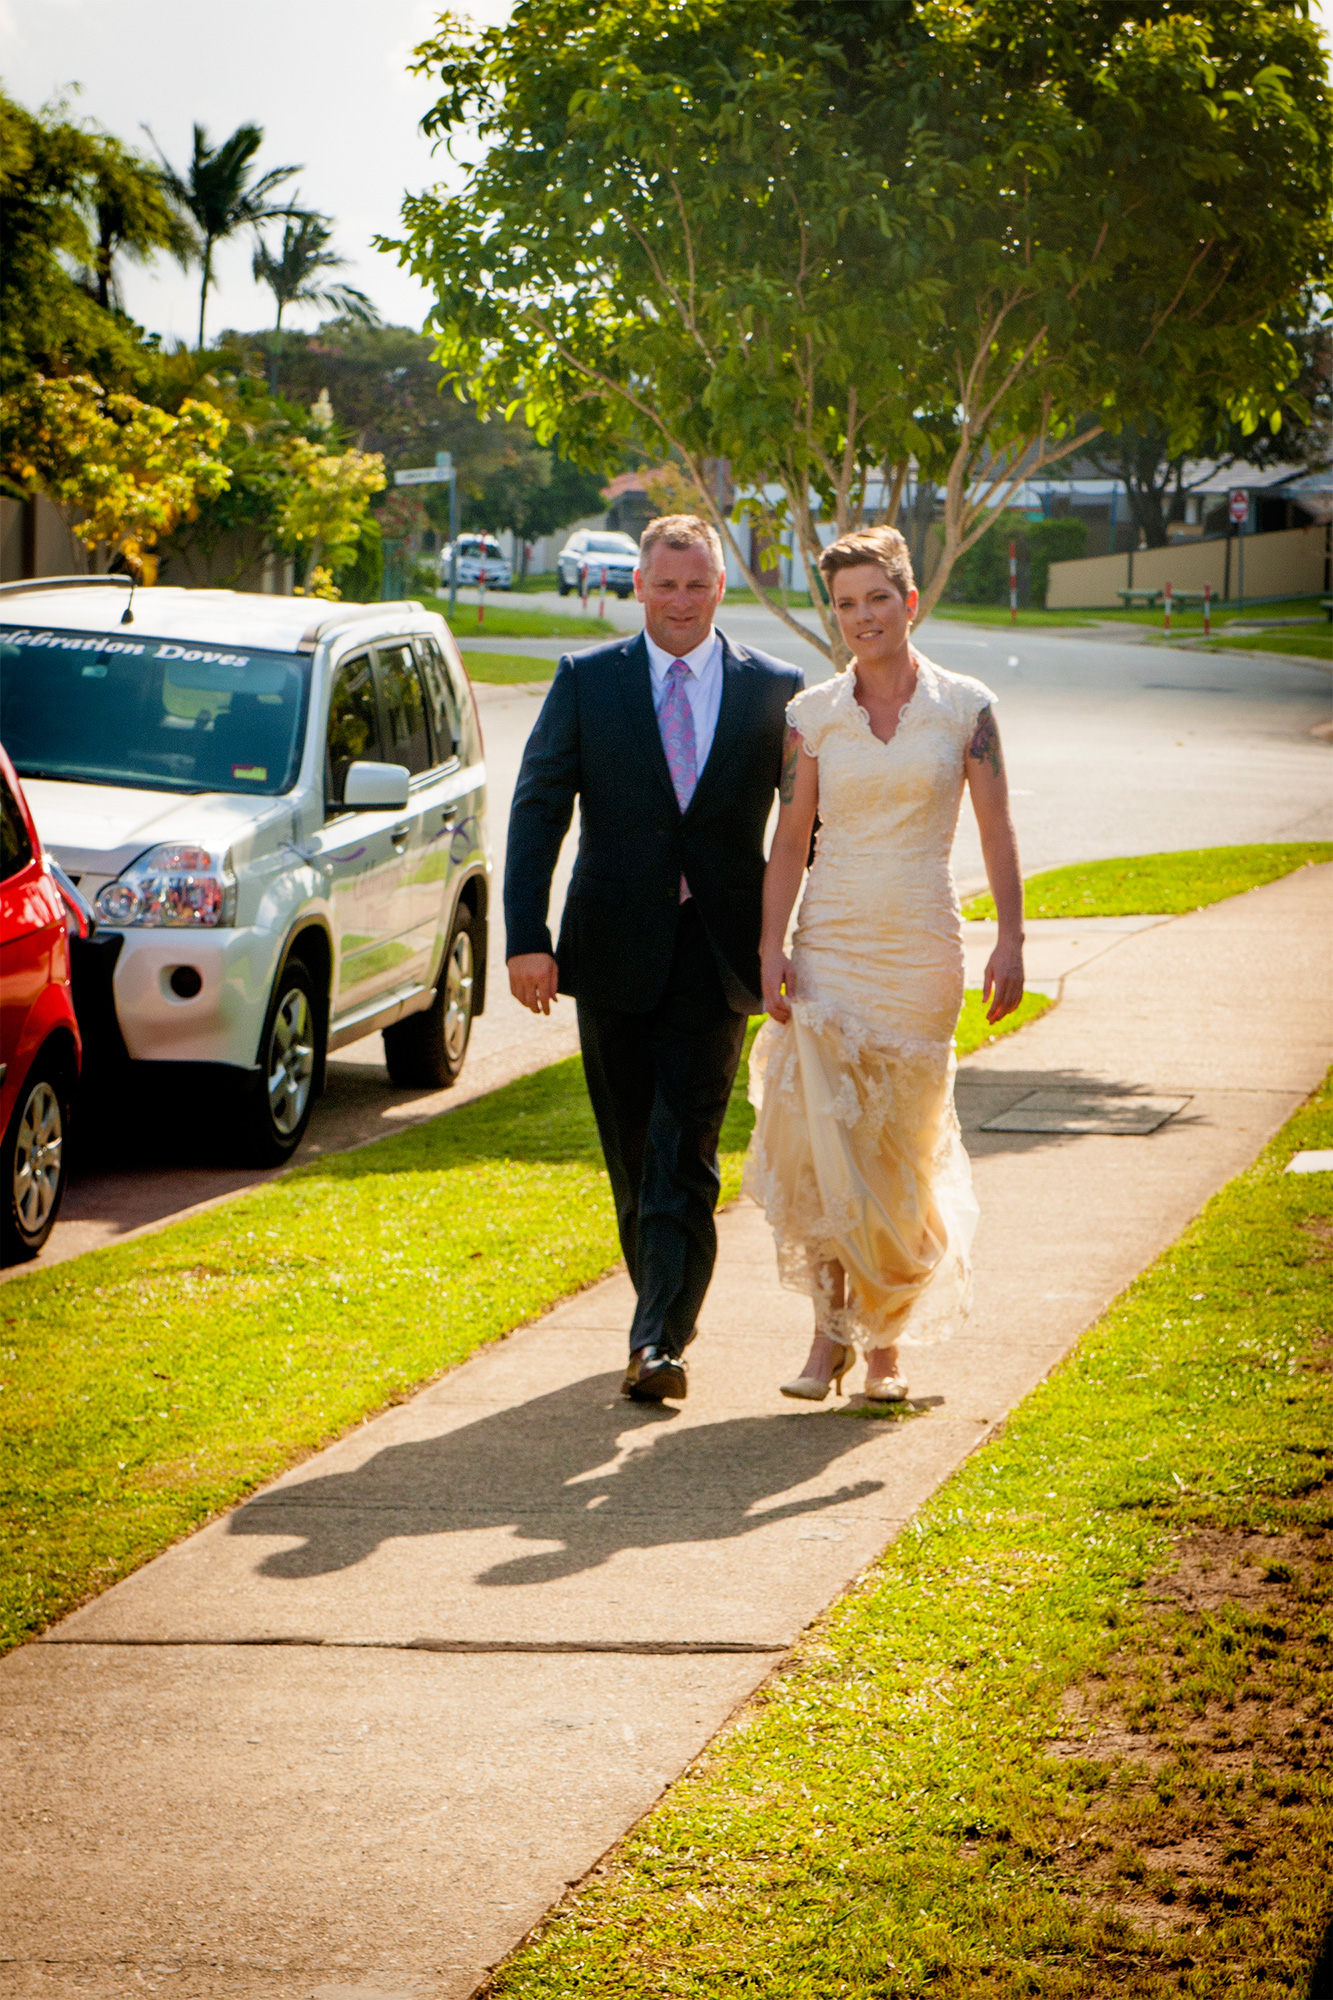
{"x": 40, "y": 1049}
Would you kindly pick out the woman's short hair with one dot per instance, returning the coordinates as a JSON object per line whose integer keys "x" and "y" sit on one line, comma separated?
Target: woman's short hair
{"x": 884, "y": 547}
{"x": 681, "y": 531}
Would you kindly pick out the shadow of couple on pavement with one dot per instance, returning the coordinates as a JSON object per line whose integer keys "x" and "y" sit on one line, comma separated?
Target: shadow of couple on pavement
{"x": 579, "y": 1467}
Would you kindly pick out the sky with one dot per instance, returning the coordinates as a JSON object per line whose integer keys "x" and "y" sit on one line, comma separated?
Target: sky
{"x": 328, "y": 81}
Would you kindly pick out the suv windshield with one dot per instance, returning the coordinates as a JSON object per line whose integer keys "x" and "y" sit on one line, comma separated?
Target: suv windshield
{"x": 162, "y": 714}
{"x": 611, "y": 545}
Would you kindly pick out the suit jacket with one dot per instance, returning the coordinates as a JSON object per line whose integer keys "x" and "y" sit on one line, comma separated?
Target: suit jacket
{"x": 597, "y": 739}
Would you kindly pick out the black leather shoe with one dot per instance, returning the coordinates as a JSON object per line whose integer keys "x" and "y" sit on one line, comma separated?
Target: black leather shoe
{"x": 654, "y": 1375}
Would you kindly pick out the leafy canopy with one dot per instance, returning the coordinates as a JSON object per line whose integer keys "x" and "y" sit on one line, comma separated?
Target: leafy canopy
{"x": 71, "y": 199}
{"x": 820, "y": 241}
{"x": 122, "y": 472}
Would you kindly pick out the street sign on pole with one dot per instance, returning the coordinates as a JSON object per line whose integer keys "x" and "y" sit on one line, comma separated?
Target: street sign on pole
{"x": 425, "y": 475}
{"x": 1238, "y": 505}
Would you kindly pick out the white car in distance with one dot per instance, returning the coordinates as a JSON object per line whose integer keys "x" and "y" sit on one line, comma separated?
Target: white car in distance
{"x": 277, "y": 807}
{"x": 595, "y": 553}
{"x": 479, "y": 561}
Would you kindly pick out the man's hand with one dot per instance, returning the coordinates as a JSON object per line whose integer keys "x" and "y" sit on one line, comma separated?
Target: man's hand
{"x": 533, "y": 979}
{"x": 1003, "y": 986}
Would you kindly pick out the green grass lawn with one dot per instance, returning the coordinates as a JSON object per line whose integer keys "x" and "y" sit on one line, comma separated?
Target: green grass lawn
{"x": 506, "y": 668}
{"x": 504, "y": 620}
{"x": 1144, "y": 885}
{"x": 149, "y": 1385}
{"x": 1182, "y": 622}
{"x": 1069, "y": 1737}
{"x": 1308, "y": 642}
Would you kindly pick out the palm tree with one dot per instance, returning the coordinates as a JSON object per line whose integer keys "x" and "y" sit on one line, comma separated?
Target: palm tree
{"x": 130, "y": 214}
{"x": 293, "y": 276}
{"x": 218, "y": 192}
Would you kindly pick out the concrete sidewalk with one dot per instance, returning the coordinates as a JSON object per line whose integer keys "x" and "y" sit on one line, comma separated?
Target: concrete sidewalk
{"x": 352, "y": 1740}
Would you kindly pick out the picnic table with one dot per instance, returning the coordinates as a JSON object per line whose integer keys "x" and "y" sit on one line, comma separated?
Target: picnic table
{"x": 1182, "y": 600}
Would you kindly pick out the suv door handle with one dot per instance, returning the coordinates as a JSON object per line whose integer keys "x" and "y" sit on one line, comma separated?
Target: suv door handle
{"x": 401, "y": 834}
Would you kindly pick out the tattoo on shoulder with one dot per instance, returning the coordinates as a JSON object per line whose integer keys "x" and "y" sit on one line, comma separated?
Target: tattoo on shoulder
{"x": 985, "y": 744}
{"x": 791, "y": 750}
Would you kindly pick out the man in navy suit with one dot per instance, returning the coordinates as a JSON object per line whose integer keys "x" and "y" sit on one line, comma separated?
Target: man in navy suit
{"x": 672, "y": 744}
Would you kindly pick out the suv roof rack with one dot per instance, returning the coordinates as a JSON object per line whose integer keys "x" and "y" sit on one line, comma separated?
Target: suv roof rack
{"x": 63, "y": 583}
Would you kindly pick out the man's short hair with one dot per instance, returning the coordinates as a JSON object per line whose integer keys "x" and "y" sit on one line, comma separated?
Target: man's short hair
{"x": 681, "y": 531}
{"x": 884, "y": 547}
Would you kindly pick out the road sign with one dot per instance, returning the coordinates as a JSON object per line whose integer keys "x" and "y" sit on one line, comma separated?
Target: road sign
{"x": 1238, "y": 505}
{"x": 424, "y": 475}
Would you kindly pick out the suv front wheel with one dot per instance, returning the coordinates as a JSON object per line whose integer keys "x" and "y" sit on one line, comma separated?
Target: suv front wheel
{"x": 275, "y": 1106}
{"x": 426, "y": 1051}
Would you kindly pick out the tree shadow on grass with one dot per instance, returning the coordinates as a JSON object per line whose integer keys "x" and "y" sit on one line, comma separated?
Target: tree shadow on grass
{"x": 580, "y": 1468}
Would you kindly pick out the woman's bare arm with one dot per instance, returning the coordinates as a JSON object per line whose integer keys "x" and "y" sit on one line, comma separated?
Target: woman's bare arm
{"x": 798, "y": 800}
{"x": 984, "y": 765}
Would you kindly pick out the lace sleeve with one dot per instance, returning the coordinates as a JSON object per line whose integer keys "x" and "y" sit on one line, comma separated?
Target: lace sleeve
{"x": 807, "y": 714}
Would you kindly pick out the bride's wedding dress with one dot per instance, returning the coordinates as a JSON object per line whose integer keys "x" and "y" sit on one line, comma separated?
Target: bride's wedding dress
{"x": 856, "y": 1155}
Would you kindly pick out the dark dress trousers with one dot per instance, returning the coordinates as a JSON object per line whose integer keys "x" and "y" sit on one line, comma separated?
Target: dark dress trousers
{"x": 663, "y": 987}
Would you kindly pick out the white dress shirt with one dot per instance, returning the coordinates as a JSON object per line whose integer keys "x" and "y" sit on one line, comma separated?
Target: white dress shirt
{"x": 703, "y": 688}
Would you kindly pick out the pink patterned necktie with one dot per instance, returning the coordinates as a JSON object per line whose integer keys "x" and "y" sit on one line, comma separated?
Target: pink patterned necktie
{"x": 676, "y": 722}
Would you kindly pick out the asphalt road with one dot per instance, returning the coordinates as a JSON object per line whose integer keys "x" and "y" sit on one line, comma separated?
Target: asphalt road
{"x": 1112, "y": 748}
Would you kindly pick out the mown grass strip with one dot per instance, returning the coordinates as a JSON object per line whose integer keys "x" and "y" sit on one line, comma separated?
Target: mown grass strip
{"x": 505, "y": 620}
{"x": 144, "y": 1387}
{"x": 504, "y": 669}
{"x": 1069, "y": 1736}
{"x": 1190, "y": 620}
{"x": 1306, "y": 642}
{"x": 1151, "y": 885}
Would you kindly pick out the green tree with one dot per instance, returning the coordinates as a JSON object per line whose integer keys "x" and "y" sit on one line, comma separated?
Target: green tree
{"x": 122, "y": 472}
{"x": 220, "y": 192}
{"x": 130, "y": 215}
{"x": 821, "y": 237}
{"x": 55, "y": 175}
{"x": 1158, "y": 472}
{"x": 298, "y": 274}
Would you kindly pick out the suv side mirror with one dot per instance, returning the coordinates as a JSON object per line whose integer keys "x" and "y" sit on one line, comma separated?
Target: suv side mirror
{"x": 375, "y": 787}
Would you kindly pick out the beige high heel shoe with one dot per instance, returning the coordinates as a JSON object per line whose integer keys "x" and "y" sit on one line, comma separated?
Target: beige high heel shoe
{"x": 809, "y": 1388}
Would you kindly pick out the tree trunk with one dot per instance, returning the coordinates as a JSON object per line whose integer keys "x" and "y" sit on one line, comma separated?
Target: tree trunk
{"x": 203, "y": 288}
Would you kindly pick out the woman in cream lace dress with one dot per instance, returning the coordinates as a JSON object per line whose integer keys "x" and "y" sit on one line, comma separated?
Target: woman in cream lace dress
{"x": 856, "y": 1154}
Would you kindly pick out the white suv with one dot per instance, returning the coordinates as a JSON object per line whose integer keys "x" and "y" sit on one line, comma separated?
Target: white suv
{"x": 599, "y": 555}
{"x": 277, "y": 809}
{"x": 479, "y": 561}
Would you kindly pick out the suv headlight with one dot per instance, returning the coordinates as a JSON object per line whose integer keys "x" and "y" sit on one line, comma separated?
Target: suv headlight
{"x": 182, "y": 886}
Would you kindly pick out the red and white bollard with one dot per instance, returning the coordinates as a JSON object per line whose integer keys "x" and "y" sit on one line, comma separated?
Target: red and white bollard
{"x": 1166, "y": 609}
{"x": 583, "y": 585}
{"x": 1208, "y": 611}
{"x": 481, "y": 589}
{"x": 601, "y": 607}
{"x": 1013, "y": 583}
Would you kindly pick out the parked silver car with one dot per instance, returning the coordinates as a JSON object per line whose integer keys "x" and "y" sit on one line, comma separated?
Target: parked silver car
{"x": 596, "y": 550}
{"x": 278, "y": 810}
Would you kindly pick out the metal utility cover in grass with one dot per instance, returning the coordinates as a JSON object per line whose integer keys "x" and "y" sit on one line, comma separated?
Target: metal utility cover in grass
{"x": 1084, "y": 1111}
